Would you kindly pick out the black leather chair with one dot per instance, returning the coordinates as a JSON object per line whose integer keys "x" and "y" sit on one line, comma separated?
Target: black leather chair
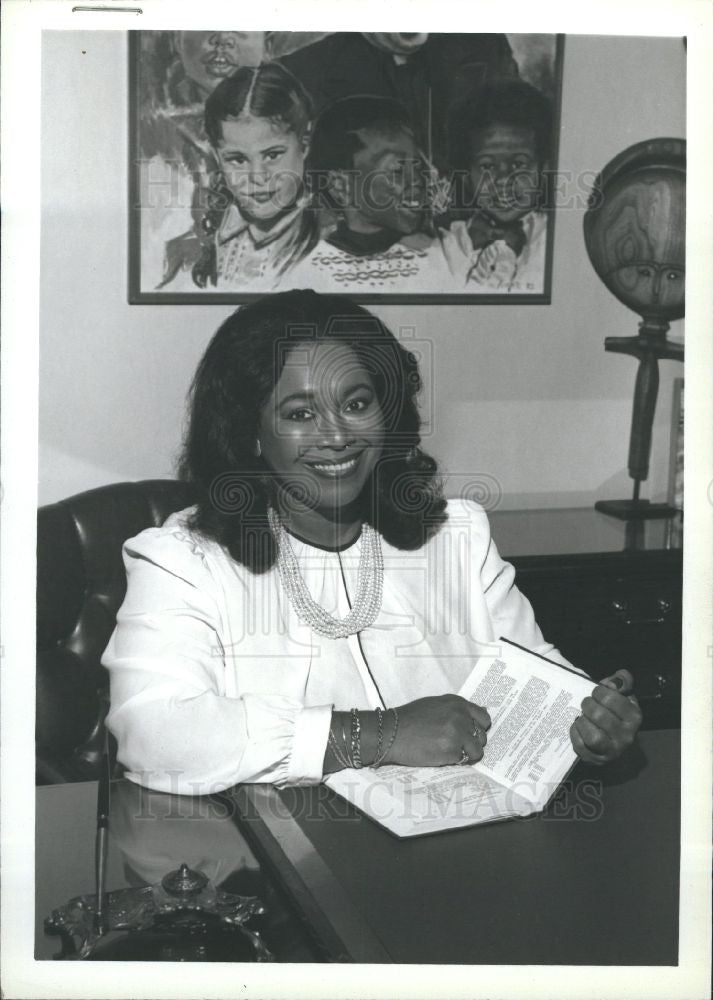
{"x": 80, "y": 586}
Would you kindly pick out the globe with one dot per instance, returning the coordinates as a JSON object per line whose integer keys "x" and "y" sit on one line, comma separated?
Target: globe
{"x": 635, "y": 235}
{"x": 635, "y": 228}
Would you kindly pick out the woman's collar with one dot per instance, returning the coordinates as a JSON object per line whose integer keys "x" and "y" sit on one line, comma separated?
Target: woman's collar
{"x": 325, "y": 548}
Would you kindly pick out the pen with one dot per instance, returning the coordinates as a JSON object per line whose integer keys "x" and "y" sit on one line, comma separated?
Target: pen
{"x": 101, "y": 840}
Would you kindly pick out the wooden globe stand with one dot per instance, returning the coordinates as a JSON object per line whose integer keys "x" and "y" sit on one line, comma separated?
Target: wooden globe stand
{"x": 650, "y": 345}
{"x": 634, "y": 232}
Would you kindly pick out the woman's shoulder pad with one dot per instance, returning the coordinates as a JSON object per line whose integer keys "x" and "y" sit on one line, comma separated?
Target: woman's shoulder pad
{"x": 461, "y": 510}
{"x": 174, "y": 540}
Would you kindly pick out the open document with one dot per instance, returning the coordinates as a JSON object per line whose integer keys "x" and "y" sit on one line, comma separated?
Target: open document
{"x": 532, "y": 702}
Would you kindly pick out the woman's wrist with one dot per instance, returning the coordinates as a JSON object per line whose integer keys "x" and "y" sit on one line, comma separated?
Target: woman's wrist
{"x": 360, "y": 739}
{"x": 352, "y": 741}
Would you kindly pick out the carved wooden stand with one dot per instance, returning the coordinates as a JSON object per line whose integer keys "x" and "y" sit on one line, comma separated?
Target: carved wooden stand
{"x": 650, "y": 345}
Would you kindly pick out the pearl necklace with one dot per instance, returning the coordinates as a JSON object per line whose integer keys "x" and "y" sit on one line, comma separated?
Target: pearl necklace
{"x": 370, "y": 585}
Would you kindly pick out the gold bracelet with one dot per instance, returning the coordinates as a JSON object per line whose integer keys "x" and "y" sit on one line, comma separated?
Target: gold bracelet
{"x": 346, "y": 746}
{"x": 356, "y": 739}
{"x": 379, "y": 736}
{"x": 380, "y": 760}
{"x": 336, "y": 752}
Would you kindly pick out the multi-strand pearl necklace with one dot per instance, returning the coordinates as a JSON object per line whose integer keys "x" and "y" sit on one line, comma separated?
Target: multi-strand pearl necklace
{"x": 370, "y": 584}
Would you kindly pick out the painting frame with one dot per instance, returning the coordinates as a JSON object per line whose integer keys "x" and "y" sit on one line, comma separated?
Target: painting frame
{"x": 676, "y": 447}
{"x": 143, "y": 292}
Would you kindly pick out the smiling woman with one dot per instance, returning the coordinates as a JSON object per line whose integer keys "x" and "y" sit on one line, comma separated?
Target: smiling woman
{"x": 323, "y": 423}
{"x": 307, "y": 402}
{"x": 321, "y": 603}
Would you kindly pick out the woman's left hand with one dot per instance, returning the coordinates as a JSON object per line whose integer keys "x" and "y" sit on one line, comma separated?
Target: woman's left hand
{"x": 609, "y": 721}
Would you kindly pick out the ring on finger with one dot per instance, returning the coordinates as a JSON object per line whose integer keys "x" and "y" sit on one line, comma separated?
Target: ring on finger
{"x": 477, "y": 733}
{"x": 464, "y": 756}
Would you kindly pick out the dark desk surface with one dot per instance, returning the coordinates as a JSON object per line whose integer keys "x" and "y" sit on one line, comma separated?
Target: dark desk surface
{"x": 570, "y": 531}
{"x": 150, "y": 834}
{"x": 593, "y": 881}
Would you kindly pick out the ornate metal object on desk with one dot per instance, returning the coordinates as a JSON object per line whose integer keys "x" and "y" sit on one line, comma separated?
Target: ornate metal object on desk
{"x": 181, "y": 918}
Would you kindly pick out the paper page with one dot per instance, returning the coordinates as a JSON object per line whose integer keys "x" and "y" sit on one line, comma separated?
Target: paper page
{"x": 414, "y": 800}
{"x": 532, "y": 705}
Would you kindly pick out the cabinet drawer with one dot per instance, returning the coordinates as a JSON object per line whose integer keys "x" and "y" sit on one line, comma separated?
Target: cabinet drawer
{"x": 602, "y": 618}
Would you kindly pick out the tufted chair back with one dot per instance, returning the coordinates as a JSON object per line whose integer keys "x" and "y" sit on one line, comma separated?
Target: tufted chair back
{"x": 80, "y": 586}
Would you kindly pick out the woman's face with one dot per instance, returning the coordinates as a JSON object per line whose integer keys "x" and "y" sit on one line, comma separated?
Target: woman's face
{"x": 263, "y": 164}
{"x": 322, "y": 429}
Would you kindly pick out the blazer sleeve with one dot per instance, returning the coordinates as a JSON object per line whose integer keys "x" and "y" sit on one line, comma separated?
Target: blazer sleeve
{"x": 176, "y": 729}
{"x": 511, "y": 613}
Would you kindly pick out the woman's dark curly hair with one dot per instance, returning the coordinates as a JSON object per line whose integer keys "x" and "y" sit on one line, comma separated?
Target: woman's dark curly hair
{"x": 234, "y": 380}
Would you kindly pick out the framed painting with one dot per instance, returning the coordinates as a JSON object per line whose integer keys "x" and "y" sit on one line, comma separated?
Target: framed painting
{"x": 390, "y": 167}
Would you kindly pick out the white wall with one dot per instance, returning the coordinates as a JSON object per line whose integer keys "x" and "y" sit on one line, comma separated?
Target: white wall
{"x": 524, "y": 399}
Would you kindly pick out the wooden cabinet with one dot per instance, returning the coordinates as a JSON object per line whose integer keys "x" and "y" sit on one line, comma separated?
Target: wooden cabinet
{"x": 606, "y": 593}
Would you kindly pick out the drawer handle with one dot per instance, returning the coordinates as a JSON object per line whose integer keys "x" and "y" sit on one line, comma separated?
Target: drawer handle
{"x": 662, "y": 683}
{"x": 621, "y": 609}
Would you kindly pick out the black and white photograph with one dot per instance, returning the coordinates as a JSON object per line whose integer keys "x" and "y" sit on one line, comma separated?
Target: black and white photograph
{"x": 347, "y": 517}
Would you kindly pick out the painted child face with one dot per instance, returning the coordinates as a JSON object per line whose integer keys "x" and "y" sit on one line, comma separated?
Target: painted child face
{"x": 389, "y": 190}
{"x": 505, "y": 172}
{"x": 262, "y": 162}
{"x": 209, "y": 56}
{"x": 322, "y": 428}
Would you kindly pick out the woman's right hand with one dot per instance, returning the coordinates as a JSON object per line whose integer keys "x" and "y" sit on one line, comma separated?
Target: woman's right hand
{"x": 435, "y": 731}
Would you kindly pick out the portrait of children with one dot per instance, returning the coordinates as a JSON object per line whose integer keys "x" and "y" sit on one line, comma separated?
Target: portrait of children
{"x": 410, "y": 166}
